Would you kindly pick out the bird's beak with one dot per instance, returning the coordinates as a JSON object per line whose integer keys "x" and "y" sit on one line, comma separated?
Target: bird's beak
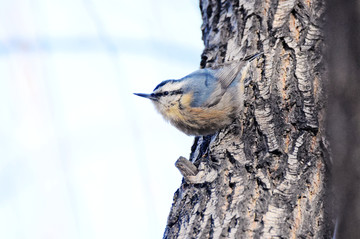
{"x": 147, "y": 96}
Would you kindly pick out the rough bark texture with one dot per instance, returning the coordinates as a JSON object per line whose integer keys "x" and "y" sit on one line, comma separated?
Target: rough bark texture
{"x": 343, "y": 38}
{"x": 265, "y": 176}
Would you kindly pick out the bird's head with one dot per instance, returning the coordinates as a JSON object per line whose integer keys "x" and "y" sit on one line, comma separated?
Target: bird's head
{"x": 166, "y": 95}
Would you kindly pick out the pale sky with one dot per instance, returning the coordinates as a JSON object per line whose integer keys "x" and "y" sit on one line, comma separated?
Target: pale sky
{"x": 80, "y": 155}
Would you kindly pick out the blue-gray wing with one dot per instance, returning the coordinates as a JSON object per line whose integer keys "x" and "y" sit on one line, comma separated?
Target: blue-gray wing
{"x": 209, "y": 85}
{"x": 202, "y": 83}
{"x": 230, "y": 72}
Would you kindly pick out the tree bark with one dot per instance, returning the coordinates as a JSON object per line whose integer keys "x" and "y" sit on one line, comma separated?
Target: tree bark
{"x": 266, "y": 175}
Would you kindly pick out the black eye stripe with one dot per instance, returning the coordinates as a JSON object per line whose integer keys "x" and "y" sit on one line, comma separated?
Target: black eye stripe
{"x": 177, "y": 92}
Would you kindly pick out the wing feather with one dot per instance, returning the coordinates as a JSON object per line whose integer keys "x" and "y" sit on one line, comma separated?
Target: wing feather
{"x": 209, "y": 85}
{"x": 228, "y": 74}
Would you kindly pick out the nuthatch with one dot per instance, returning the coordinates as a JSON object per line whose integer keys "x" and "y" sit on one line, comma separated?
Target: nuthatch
{"x": 204, "y": 101}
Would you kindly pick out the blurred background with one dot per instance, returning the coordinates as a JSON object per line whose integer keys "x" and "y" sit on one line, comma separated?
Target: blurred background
{"x": 80, "y": 155}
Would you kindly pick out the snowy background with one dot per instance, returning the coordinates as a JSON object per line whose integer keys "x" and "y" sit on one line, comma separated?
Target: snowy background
{"x": 80, "y": 155}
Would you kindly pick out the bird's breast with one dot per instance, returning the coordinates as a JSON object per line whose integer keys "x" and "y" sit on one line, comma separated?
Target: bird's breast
{"x": 197, "y": 120}
{"x": 177, "y": 109}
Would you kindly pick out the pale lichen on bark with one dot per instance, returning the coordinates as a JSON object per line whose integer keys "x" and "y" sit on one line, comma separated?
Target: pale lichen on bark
{"x": 268, "y": 169}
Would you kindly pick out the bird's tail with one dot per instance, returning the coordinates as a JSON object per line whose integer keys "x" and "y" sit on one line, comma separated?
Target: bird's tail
{"x": 252, "y": 57}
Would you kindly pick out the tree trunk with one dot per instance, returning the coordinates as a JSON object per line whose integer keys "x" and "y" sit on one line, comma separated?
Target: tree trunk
{"x": 343, "y": 34}
{"x": 266, "y": 175}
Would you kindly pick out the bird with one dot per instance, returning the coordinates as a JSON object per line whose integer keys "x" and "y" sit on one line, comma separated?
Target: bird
{"x": 204, "y": 101}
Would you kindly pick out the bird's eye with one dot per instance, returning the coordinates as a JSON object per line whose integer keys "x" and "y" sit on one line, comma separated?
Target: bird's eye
{"x": 166, "y": 93}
